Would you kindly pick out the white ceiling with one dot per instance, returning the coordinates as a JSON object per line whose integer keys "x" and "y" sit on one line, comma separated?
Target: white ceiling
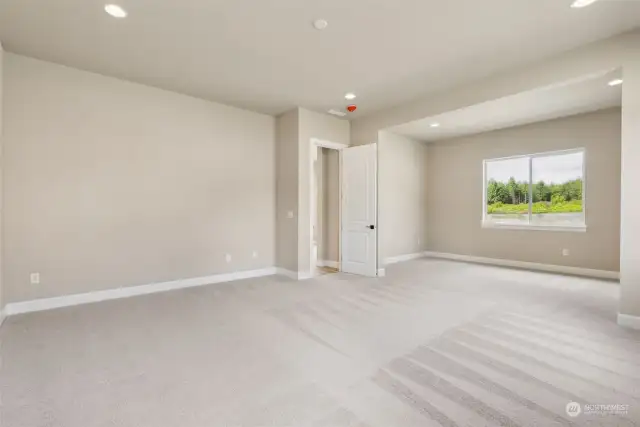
{"x": 266, "y": 56}
{"x": 563, "y": 99}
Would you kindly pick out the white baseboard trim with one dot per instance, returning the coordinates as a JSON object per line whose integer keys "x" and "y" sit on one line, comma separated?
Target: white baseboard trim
{"x": 295, "y": 275}
{"x": 382, "y": 272}
{"x": 304, "y": 275}
{"x": 287, "y": 273}
{"x": 327, "y": 263}
{"x": 549, "y": 268}
{"x": 110, "y": 294}
{"x": 403, "y": 258}
{"x": 628, "y": 321}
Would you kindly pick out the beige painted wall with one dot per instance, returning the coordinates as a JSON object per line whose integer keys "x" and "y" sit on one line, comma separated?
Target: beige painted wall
{"x": 402, "y": 192}
{"x": 1, "y": 181}
{"x": 330, "y": 206}
{"x": 320, "y": 126}
{"x": 287, "y": 128}
{"x": 110, "y": 184}
{"x": 454, "y": 193}
{"x": 630, "y": 248}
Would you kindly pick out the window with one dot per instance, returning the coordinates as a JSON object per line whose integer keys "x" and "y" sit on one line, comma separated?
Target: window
{"x": 543, "y": 191}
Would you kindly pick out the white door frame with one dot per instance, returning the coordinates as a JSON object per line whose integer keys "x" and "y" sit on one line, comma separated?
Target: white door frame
{"x": 313, "y": 152}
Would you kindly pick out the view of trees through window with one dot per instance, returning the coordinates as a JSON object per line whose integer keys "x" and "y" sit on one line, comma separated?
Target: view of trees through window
{"x": 542, "y": 189}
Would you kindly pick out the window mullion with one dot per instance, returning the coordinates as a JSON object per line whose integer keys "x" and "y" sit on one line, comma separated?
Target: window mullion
{"x": 530, "y": 189}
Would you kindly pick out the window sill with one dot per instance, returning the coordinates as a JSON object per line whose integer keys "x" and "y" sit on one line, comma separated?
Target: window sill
{"x": 561, "y": 228}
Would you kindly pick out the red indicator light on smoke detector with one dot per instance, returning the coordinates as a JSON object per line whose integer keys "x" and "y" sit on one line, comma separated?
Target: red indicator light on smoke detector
{"x": 351, "y": 108}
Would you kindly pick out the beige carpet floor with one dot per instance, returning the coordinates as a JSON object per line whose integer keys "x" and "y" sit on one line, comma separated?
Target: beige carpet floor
{"x": 434, "y": 343}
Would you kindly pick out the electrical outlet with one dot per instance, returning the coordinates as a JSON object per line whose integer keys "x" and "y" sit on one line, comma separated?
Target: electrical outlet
{"x": 255, "y": 254}
{"x": 34, "y": 278}
{"x": 228, "y": 257}
{"x": 289, "y": 214}
{"x": 565, "y": 252}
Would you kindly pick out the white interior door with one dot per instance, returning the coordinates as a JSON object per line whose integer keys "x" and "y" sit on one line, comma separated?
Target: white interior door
{"x": 359, "y": 209}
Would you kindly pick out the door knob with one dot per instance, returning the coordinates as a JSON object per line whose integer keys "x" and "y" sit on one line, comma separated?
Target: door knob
{"x": 372, "y": 227}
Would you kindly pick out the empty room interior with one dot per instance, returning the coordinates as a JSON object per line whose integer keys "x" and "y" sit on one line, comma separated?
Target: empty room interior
{"x": 323, "y": 214}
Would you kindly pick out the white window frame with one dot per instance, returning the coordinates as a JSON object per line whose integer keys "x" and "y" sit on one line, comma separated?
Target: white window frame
{"x": 529, "y": 226}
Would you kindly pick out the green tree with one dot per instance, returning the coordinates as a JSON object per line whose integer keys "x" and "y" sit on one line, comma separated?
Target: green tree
{"x": 497, "y": 192}
{"x": 514, "y": 191}
{"x": 492, "y": 192}
{"x": 572, "y": 190}
{"x": 523, "y": 188}
{"x": 554, "y": 190}
{"x": 503, "y": 193}
{"x": 541, "y": 193}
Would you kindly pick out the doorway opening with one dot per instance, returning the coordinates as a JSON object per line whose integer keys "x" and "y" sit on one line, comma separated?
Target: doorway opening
{"x": 326, "y": 214}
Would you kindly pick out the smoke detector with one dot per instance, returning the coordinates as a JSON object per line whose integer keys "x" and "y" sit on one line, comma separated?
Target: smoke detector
{"x": 320, "y": 24}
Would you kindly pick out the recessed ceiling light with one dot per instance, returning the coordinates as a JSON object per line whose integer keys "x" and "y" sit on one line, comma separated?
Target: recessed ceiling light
{"x": 435, "y": 125}
{"x": 320, "y": 24}
{"x": 350, "y": 96}
{"x": 582, "y": 3}
{"x": 337, "y": 113}
{"x": 115, "y": 11}
{"x": 615, "y": 82}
